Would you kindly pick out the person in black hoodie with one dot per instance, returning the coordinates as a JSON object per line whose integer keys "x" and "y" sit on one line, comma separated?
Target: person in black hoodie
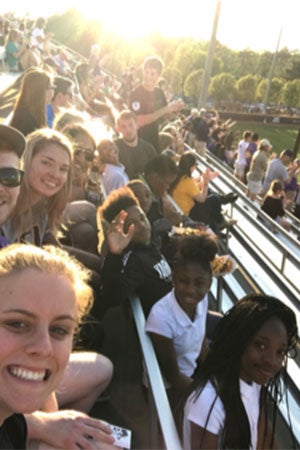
{"x": 133, "y": 265}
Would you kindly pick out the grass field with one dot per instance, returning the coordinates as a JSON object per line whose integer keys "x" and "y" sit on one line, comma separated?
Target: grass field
{"x": 281, "y": 136}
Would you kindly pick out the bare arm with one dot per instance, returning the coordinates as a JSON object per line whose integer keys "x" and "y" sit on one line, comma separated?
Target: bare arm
{"x": 202, "y": 439}
{"x": 146, "y": 119}
{"x": 168, "y": 362}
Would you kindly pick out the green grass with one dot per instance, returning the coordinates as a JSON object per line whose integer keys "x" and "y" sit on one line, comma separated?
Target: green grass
{"x": 281, "y": 136}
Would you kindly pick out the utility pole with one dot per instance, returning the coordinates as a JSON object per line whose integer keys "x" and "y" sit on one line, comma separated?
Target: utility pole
{"x": 209, "y": 58}
{"x": 266, "y": 100}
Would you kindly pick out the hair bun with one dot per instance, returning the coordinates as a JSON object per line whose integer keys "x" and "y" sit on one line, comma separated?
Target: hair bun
{"x": 222, "y": 265}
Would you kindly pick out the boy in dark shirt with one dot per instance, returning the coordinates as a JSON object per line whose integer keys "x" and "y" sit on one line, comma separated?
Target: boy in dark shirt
{"x": 133, "y": 264}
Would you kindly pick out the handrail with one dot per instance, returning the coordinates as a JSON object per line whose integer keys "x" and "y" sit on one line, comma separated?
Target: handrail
{"x": 165, "y": 416}
{"x": 287, "y": 249}
{"x": 231, "y": 180}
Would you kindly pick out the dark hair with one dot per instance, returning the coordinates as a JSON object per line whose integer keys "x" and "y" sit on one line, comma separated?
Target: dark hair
{"x": 287, "y": 152}
{"x": 247, "y": 134}
{"x": 82, "y": 71}
{"x": 222, "y": 364}
{"x": 62, "y": 84}
{"x": 187, "y": 160}
{"x": 126, "y": 114}
{"x": 199, "y": 250}
{"x": 74, "y": 129}
{"x": 117, "y": 201}
{"x": 153, "y": 62}
{"x": 276, "y": 186}
{"x": 162, "y": 165}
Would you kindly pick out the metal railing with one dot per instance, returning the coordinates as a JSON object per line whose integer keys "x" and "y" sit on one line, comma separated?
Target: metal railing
{"x": 171, "y": 439}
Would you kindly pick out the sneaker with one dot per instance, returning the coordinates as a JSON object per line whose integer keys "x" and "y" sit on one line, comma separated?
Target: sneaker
{"x": 228, "y": 198}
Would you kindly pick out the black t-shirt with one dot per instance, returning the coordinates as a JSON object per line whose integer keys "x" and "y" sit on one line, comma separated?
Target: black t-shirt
{"x": 142, "y": 101}
{"x": 273, "y": 207}
{"x": 134, "y": 159}
{"x": 13, "y": 432}
{"x": 141, "y": 270}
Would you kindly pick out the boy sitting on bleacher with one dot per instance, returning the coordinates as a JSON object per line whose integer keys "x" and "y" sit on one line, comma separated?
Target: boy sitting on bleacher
{"x": 133, "y": 264}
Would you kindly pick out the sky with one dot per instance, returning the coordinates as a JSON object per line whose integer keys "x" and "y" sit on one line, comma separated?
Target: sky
{"x": 254, "y": 24}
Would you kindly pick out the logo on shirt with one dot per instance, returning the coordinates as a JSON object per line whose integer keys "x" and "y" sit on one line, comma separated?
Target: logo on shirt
{"x": 136, "y": 106}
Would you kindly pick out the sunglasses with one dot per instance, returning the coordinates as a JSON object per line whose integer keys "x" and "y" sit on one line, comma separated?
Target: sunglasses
{"x": 11, "y": 177}
{"x": 89, "y": 155}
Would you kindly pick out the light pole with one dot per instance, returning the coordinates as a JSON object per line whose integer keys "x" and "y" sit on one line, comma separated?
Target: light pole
{"x": 209, "y": 58}
{"x": 266, "y": 100}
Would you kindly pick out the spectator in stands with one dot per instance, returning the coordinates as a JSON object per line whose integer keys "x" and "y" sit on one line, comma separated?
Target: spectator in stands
{"x": 191, "y": 194}
{"x": 166, "y": 144}
{"x": 39, "y": 38}
{"x": 69, "y": 116}
{"x": 277, "y": 169}
{"x": 36, "y": 92}
{"x": 14, "y": 51}
{"x": 51, "y": 288}
{"x": 241, "y": 158}
{"x": 12, "y": 145}
{"x": 290, "y": 188}
{"x": 257, "y": 170}
{"x": 159, "y": 174}
{"x": 149, "y": 102}
{"x": 179, "y": 146}
{"x": 133, "y": 265}
{"x": 200, "y": 129}
{"x": 238, "y": 384}
{"x": 142, "y": 193}
{"x": 45, "y": 190}
{"x": 134, "y": 152}
{"x": 62, "y": 98}
{"x": 114, "y": 175}
{"x": 273, "y": 204}
{"x": 84, "y": 147}
{"x": 177, "y": 322}
{"x": 251, "y": 149}
{"x": 91, "y": 92}
{"x": 61, "y": 60}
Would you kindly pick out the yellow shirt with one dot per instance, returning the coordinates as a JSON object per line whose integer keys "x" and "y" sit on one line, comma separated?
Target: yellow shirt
{"x": 184, "y": 194}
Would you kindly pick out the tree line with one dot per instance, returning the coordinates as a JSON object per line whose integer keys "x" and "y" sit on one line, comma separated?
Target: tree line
{"x": 237, "y": 76}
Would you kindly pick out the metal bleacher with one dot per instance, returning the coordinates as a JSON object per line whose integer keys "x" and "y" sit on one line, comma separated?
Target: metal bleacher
{"x": 267, "y": 261}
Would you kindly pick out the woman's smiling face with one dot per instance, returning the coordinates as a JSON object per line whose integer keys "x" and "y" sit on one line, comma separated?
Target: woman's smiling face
{"x": 48, "y": 171}
{"x": 37, "y": 322}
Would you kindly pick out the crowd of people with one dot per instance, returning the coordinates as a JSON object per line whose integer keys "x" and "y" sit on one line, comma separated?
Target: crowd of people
{"x": 99, "y": 201}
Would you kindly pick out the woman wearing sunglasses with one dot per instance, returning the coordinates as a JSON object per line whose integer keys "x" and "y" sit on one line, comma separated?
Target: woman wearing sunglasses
{"x": 12, "y": 145}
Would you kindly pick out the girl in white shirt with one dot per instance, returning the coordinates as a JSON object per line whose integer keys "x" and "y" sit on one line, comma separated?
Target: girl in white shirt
{"x": 229, "y": 403}
{"x": 177, "y": 322}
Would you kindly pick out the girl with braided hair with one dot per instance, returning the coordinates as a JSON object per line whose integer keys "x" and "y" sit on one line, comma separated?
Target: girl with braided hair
{"x": 236, "y": 391}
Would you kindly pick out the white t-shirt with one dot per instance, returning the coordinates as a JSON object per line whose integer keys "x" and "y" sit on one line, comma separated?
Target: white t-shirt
{"x": 168, "y": 319}
{"x": 198, "y": 411}
{"x": 37, "y": 33}
{"x": 241, "y": 153}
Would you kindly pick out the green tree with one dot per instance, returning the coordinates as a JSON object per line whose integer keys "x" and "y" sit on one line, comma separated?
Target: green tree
{"x": 174, "y": 79}
{"x": 276, "y": 86}
{"x": 245, "y": 62}
{"x": 290, "y": 93}
{"x": 192, "y": 84}
{"x": 246, "y": 88}
{"x": 189, "y": 57}
{"x": 222, "y": 87}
